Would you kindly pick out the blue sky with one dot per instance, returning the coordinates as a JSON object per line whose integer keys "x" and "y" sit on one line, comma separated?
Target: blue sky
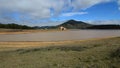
{"x": 103, "y": 11}
{"x": 53, "y": 12}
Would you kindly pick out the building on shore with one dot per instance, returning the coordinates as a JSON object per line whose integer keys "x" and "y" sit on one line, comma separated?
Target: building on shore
{"x": 62, "y": 28}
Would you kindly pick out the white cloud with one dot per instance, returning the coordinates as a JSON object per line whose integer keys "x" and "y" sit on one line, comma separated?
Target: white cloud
{"x": 119, "y": 4}
{"x": 105, "y": 22}
{"x": 84, "y": 4}
{"x": 38, "y": 8}
{"x": 41, "y": 8}
{"x": 74, "y": 13}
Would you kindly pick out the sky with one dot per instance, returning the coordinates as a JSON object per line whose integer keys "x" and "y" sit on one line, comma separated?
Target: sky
{"x": 54, "y": 12}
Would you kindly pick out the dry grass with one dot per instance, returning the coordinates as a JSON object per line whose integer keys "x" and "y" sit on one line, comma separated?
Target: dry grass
{"x": 10, "y": 31}
{"x": 102, "y": 53}
{"x": 42, "y": 44}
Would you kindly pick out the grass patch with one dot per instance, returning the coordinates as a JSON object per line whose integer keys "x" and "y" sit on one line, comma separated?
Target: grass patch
{"x": 90, "y": 54}
{"x": 55, "y": 48}
{"x": 116, "y": 53}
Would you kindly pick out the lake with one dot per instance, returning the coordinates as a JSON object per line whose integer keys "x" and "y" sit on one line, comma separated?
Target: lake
{"x": 60, "y": 35}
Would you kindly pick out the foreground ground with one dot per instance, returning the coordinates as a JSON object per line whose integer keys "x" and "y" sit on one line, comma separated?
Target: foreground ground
{"x": 25, "y": 31}
{"x": 102, "y": 53}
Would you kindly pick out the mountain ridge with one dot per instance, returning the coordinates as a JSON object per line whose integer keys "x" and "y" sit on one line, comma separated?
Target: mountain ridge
{"x": 70, "y": 24}
{"x": 73, "y": 24}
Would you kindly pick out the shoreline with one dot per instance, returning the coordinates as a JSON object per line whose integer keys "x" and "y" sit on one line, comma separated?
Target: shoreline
{"x": 21, "y": 44}
{"x": 27, "y": 31}
{"x": 42, "y": 30}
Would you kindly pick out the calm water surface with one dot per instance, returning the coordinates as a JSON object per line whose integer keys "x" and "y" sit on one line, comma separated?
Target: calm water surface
{"x": 60, "y": 35}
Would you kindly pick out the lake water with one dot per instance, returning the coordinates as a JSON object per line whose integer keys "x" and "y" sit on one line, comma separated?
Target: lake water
{"x": 60, "y": 35}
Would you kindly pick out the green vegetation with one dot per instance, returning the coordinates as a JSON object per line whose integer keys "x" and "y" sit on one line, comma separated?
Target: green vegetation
{"x": 104, "y": 27}
{"x": 14, "y": 26}
{"x": 72, "y": 24}
{"x": 88, "y": 54}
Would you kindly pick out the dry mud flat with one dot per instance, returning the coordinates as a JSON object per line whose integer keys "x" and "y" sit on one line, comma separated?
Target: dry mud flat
{"x": 23, "y": 31}
{"x": 53, "y": 36}
{"x": 29, "y": 44}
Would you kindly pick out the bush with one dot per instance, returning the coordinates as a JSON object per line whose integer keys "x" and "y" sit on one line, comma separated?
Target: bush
{"x": 116, "y": 54}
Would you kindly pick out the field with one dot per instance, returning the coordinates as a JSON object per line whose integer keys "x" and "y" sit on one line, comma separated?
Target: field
{"x": 101, "y": 53}
{"x": 24, "y": 31}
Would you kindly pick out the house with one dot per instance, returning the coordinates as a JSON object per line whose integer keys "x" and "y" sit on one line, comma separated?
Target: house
{"x": 62, "y": 28}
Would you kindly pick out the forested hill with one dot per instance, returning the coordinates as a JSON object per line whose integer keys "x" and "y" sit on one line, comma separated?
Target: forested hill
{"x": 72, "y": 24}
{"x": 14, "y": 26}
{"x": 104, "y": 27}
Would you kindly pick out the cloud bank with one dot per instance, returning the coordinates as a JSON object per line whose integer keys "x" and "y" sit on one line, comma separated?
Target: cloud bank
{"x": 30, "y": 10}
{"x": 105, "y": 22}
{"x": 44, "y": 8}
{"x": 119, "y": 4}
{"x": 74, "y": 13}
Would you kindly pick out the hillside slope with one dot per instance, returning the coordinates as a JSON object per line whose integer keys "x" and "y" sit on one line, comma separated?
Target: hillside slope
{"x": 114, "y": 26}
{"x": 72, "y": 24}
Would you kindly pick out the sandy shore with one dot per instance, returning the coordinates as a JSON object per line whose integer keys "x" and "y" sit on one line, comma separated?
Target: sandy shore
{"x": 59, "y": 35}
{"x": 44, "y": 44}
{"x": 27, "y": 31}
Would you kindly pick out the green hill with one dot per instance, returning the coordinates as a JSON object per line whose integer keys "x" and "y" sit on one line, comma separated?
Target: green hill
{"x": 72, "y": 24}
{"x": 14, "y": 26}
{"x": 104, "y": 27}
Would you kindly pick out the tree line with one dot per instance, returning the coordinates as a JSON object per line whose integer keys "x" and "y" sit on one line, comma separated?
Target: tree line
{"x": 104, "y": 27}
{"x": 15, "y": 26}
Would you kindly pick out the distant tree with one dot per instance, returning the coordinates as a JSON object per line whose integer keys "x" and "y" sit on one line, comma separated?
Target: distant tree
{"x": 104, "y": 27}
{"x": 14, "y": 26}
